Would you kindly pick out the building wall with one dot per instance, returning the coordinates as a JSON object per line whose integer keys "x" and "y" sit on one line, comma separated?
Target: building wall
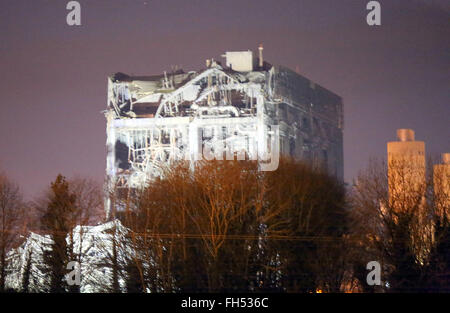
{"x": 315, "y": 117}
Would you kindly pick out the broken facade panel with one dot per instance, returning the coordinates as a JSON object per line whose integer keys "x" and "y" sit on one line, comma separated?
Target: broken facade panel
{"x": 247, "y": 109}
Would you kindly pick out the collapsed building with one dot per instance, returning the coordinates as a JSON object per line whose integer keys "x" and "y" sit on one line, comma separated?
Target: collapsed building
{"x": 247, "y": 109}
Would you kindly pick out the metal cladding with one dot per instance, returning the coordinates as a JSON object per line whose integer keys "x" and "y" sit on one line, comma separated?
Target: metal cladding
{"x": 240, "y": 110}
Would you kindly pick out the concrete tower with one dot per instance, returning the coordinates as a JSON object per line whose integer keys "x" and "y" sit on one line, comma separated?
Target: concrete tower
{"x": 441, "y": 180}
{"x": 406, "y": 170}
{"x": 407, "y": 187}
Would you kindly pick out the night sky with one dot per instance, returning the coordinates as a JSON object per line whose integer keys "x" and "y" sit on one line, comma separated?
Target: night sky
{"x": 54, "y": 76}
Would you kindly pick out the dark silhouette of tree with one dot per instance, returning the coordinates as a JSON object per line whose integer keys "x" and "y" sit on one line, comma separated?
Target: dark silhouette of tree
{"x": 115, "y": 266}
{"x": 58, "y": 219}
{"x": 228, "y": 227}
{"x": 27, "y": 273}
{"x": 10, "y": 213}
{"x": 133, "y": 282}
{"x": 437, "y": 277}
{"x": 307, "y": 205}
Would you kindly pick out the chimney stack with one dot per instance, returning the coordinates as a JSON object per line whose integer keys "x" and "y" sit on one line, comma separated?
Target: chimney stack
{"x": 405, "y": 134}
{"x": 261, "y": 60}
{"x": 446, "y": 158}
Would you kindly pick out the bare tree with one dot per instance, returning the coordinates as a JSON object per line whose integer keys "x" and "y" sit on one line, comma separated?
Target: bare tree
{"x": 89, "y": 200}
{"x": 228, "y": 227}
{"x": 10, "y": 214}
{"x": 306, "y": 207}
{"x": 394, "y": 222}
{"x": 88, "y": 211}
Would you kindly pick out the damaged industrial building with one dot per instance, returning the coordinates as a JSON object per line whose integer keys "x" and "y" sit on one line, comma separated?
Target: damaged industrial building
{"x": 245, "y": 108}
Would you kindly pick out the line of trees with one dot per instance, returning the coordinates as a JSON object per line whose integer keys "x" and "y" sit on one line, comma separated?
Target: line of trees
{"x": 227, "y": 227}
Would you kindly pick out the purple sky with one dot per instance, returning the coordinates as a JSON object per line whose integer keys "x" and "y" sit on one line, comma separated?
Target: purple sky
{"x": 53, "y": 85}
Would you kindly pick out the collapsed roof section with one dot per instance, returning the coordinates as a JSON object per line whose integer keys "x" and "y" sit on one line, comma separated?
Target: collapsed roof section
{"x": 218, "y": 92}
{"x": 214, "y": 91}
